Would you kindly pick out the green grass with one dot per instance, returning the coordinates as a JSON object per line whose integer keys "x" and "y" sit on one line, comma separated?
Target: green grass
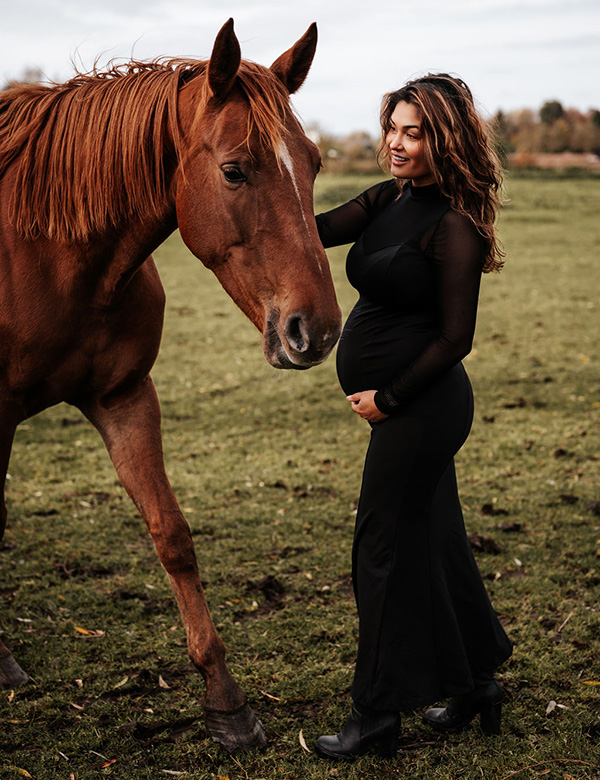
{"x": 267, "y": 468}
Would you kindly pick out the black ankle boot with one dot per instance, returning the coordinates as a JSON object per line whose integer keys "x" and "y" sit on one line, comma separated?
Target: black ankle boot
{"x": 484, "y": 700}
{"x": 362, "y": 730}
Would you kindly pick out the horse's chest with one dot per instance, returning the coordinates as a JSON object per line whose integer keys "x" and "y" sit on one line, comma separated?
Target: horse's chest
{"x": 45, "y": 365}
{"x": 67, "y": 335}
{"x": 73, "y": 354}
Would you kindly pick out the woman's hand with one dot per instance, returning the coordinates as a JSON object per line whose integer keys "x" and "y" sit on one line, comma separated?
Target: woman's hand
{"x": 363, "y": 404}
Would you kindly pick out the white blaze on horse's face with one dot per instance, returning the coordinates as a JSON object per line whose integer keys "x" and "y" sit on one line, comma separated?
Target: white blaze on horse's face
{"x": 286, "y": 159}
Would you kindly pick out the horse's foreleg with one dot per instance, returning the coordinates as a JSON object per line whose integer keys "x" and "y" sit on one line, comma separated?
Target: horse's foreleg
{"x": 11, "y": 673}
{"x": 7, "y": 428}
{"x": 130, "y": 427}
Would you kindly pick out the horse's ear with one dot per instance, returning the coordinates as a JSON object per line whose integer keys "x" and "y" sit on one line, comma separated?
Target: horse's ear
{"x": 294, "y": 64}
{"x": 224, "y": 61}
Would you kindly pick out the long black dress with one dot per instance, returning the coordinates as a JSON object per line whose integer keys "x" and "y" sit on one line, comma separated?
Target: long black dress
{"x": 426, "y": 625}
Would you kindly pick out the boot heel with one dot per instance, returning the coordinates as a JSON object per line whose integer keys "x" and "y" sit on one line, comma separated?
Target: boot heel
{"x": 491, "y": 717}
{"x": 387, "y": 746}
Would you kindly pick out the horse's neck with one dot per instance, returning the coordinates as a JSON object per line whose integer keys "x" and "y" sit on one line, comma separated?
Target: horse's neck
{"x": 125, "y": 251}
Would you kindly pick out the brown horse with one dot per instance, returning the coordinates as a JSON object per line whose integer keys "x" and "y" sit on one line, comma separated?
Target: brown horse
{"x": 94, "y": 175}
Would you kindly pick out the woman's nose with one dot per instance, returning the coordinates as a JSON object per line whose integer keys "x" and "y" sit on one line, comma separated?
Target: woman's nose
{"x": 396, "y": 141}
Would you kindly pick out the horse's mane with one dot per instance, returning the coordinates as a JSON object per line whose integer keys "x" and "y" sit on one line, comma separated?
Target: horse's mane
{"x": 91, "y": 152}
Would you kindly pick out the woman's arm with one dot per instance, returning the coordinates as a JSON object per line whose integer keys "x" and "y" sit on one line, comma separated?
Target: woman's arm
{"x": 457, "y": 250}
{"x": 344, "y": 224}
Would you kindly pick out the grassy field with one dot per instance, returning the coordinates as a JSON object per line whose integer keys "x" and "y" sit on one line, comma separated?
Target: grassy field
{"x": 267, "y": 467}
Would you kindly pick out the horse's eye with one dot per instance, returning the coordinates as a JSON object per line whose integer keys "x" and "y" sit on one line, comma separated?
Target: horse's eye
{"x": 234, "y": 174}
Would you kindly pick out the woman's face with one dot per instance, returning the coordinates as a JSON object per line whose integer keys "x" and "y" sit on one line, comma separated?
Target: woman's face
{"x": 405, "y": 143}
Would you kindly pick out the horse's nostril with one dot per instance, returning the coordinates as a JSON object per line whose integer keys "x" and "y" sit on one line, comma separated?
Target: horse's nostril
{"x": 297, "y": 334}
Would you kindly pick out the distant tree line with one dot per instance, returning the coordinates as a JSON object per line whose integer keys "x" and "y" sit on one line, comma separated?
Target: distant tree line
{"x": 551, "y": 130}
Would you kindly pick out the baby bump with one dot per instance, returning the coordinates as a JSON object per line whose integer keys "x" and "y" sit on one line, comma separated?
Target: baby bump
{"x": 376, "y": 347}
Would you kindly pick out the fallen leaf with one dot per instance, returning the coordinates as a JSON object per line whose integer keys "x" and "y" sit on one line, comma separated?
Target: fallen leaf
{"x": 108, "y": 763}
{"x": 22, "y": 772}
{"x": 591, "y": 682}
{"x": 302, "y": 742}
{"x": 565, "y": 621}
{"x": 162, "y": 683}
{"x": 269, "y": 696}
{"x": 551, "y": 706}
{"x": 89, "y": 634}
{"x": 121, "y": 684}
{"x": 76, "y": 706}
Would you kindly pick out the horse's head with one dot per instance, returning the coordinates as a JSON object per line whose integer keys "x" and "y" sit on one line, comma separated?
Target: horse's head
{"x": 244, "y": 198}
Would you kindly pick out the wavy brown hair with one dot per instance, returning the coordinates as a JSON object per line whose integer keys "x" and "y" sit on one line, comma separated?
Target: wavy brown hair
{"x": 458, "y": 150}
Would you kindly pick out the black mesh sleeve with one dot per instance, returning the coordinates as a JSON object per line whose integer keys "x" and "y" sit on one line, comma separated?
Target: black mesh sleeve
{"x": 456, "y": 249}
{"x": 344, "y": 224}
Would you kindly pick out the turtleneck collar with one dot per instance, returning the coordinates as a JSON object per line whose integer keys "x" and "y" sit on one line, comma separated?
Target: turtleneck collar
{"x": 423, "y": 193}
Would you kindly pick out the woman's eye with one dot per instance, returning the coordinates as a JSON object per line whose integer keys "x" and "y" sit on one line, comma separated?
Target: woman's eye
{"x": 234, "y": 174}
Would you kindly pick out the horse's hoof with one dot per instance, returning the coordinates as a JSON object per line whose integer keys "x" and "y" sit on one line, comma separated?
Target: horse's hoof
{"x": 235, "y": 731}
{"x": 11, "y": 673}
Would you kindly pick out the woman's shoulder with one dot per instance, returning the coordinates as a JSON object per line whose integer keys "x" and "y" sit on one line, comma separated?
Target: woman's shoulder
{"x": 456, "y": 232}
{"x": 453, "y": 220}
{"x": 379, "y": 195}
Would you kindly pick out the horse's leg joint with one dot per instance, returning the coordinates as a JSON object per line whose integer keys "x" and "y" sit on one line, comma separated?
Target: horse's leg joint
{"x": 175, "y": 549}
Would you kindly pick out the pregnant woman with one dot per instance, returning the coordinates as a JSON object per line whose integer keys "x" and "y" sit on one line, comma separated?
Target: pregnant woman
{"x": 427, "y": 630}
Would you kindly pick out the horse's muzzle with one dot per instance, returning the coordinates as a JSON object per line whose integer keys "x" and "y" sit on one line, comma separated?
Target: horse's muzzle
{"x": 298, "y": 343}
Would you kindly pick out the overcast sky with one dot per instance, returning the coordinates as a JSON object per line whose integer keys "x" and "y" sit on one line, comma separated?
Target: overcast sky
{"x": 512, "y": 53}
